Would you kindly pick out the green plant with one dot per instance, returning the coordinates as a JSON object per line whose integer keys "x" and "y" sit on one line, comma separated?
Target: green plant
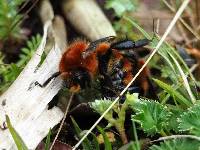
{"x": 16, "y": 137}
{"x": 102, "y": 105}
{"x": 48, "y": 141}
{"x": 8, "y": 19}
{"x": 28, "y": 51}
{"x": 152, "y": 116}
{"x": 121, "y": 6}
{"x": 86, "y": 144}
{"x": 175, "y": 94}
{"x": 107, "y": 143}
{"x": 190, "y": 120}
{"x": 177, "y": 144}
{"x": 9, "y": 72}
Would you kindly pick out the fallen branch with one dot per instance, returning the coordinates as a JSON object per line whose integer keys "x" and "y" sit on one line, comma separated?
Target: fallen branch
{"x": 27, "y": 109}
{"x": 88, "y": 18}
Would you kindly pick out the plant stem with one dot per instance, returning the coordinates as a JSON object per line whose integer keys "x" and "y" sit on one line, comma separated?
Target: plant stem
{"x": 120, "y": 123}
{"x": 122, "y": 133}
{"x": 63, "y": 120}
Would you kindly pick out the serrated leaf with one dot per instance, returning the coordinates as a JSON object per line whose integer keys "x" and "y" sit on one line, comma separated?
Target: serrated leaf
{"x": 152, "y": 116}
{"x": 25, "y": 50}
{"x": 173, "y": 122}
{"x": 190, "y": 120}
{"x": 177, "y": 144}
{"x": 100, "y": 106}
{"x": 132, "y": 99}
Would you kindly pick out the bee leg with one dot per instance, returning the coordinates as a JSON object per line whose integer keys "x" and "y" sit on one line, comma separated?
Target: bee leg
{"x": 129, "y": 44}
{"x": 48, "y": 80}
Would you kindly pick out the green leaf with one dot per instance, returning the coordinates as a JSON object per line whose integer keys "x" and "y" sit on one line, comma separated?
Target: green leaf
{"x": 18, "y": 140}
{"x": 101, "y": 106}
{"x": 152, "y": 116}
{"x": 107, "y": 143}
{"x": 8, "y": 17}
{"x": 166, "y": 51}
{"x": 190, "y": 120}
{"x": 29, "y": 50}
{"x": 136, "y": 143}
{"x": 86, "y": 143}
{"x": 94, "y": 142}
{"x": 121, "y": 6}
{"x": 132, "y": 99}
{"x": 181, "y": 99}
{"x": 177, "y": 144}
{"x": 173, "y": 122}
{"x": 48, "y": 140}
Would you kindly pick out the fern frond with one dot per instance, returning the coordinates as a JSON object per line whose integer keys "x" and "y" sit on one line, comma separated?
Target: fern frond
{"x": 8, "y": 18}
{"x": 28, "y": 51}
{"x": 10, "y": 72}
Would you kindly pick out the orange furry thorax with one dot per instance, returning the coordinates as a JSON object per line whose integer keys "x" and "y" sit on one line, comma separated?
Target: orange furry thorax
{"x": 72, "y": 59}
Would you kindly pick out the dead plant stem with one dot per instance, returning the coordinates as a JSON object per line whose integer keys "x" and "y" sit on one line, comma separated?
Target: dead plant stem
{"x": 63, "y": 120}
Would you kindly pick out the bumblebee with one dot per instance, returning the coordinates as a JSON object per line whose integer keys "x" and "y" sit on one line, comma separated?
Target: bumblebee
{"x": 113, "y": 62}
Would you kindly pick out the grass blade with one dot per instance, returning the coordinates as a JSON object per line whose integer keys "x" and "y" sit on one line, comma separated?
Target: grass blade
{"x": 86, "y": 143}
{"x": 48, "y": 140}
{"x": 107, "y": 143}
{"x": 172, "y": 92}
{"x": 16, "y": 137}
